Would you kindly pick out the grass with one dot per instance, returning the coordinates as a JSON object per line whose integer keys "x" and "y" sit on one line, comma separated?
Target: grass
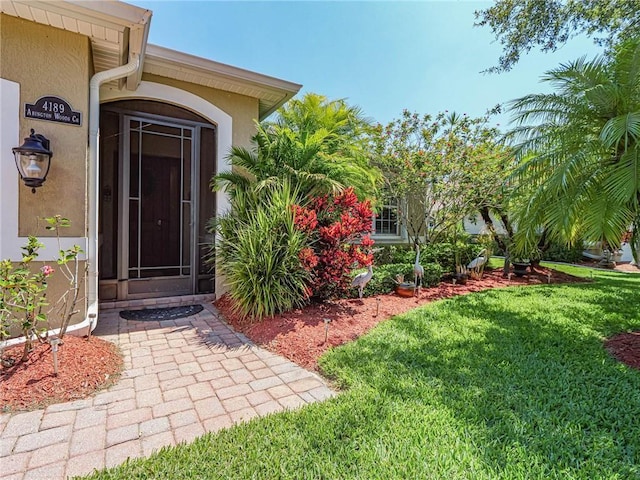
{"x": 510, "y": 383}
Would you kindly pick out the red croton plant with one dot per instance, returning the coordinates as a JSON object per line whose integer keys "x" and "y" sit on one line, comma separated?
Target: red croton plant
{"x": 338, "y": 227}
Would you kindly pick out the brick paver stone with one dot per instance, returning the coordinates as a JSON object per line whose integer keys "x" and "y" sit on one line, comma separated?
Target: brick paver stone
{"x": 156, "y": 442}
{"x": 218, "y": 423}
{"x": 235, "y": 403}
{"x": 85, "y": 463}
{"x": 188, "y": 433}
{"x": 265, "y": 383}
{"x": 155, "y": 426}
{"x": 121, "y": 435}
{"x": 233, "y": 391}
{"x": 291, "y": 401}
{"x": 34, "y": 441}
{"x": 23, "y": 423}
{"x": 243, "y": 415}
{"x": 183, "y": 418}
{"x": 52, "y": 470}
{"x": 57, "y": 419}
{"x": 117, "y": 454}
{"x": 87, "y": 440}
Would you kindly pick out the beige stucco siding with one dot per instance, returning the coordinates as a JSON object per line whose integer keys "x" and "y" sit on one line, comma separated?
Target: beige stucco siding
{"x": 243, "y": 109}
{"x": 50, "y": 61}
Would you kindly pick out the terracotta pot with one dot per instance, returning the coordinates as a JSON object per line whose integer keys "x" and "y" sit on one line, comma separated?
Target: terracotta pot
{"x": 405, "y": 289}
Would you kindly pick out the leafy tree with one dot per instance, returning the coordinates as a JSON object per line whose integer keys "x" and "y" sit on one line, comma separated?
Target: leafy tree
{"x": 447, "y": 167}
{"x": 521, "y": 25}
{"x": 579, "y": 151}
{"x": 318, "y": 144}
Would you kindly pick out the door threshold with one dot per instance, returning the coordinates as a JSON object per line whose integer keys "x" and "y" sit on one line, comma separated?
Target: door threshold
{"x": 158, "y": 301}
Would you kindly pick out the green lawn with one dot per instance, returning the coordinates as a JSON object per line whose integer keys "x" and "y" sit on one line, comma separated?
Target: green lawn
{"x": 511, "y": 383}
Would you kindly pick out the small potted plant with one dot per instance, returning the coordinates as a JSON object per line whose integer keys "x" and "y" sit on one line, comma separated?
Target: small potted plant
{"x": 520, "y": 266}
{"x": 404, "y": 289}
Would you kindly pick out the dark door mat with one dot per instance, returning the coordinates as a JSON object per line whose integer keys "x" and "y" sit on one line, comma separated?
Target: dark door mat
{"x": 158, "y": 314}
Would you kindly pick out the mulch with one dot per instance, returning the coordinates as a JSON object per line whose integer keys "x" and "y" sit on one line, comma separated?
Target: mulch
{"x": 625, "y": 347}
{"x": 84, "y": 366}
{"x": 299, "y": 335}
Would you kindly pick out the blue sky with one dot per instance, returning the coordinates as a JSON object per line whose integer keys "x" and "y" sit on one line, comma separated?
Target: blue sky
{"x": 382, "y": 56}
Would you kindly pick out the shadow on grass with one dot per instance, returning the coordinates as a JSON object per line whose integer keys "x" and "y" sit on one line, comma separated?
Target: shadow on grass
{"x": 522, "y": 373}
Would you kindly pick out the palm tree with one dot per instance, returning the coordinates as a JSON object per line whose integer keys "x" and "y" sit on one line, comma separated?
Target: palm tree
{"x": 315, "y": 143}
{"x": 580, "y": 160}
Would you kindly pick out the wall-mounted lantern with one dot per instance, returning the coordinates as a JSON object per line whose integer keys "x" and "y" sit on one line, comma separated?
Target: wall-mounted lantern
{"x": 33, "y": 159}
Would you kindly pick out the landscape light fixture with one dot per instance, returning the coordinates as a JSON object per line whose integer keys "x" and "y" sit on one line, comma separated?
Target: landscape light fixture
{"x": 33, "y": 159}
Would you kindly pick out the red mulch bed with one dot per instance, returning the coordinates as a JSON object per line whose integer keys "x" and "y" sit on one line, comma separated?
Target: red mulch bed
{"x": 625, "y": 347}
{"x": 300, "y": 335}
{"x": 88, "y": 365}
{"x": 84, "y": 366}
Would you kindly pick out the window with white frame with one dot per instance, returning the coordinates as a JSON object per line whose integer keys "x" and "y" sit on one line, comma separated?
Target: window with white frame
{"x": 387, "y": 220}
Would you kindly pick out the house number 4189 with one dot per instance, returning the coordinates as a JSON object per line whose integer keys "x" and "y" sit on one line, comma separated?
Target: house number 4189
{"x": 53, "y": 107}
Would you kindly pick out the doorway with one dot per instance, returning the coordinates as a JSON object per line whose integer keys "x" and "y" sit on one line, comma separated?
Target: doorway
{"x": 156, "y": 163}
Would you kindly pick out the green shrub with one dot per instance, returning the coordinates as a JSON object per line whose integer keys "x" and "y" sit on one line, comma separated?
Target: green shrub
{"x": 394, "y": 254}
{"x": 406, "y": 254}
{"x": 384, "y": 276}
{"x": 259, "y": 253}
{"x": 558, "y": 252}
{"x": 432, "y": 274}
{"x": 444, "y": 254}
{"x": 385, "y": 254}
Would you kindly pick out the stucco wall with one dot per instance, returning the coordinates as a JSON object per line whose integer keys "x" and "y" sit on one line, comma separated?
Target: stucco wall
{"x": 50, "y": 61}
{"x": 243, "y": 109}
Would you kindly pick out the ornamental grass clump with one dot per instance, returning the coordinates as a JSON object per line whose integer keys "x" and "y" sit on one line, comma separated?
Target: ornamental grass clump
{"x": 259, "y": 252}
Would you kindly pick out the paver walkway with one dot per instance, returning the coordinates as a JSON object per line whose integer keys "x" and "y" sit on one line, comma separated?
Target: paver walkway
{"x": 182, "y": 378}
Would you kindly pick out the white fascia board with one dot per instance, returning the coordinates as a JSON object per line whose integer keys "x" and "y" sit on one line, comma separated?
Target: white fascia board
{"x": 119, "y": 13}
{"x": 173, "y": 58}
{"x": 266, "y": 86}
{"x": 138, "y": 37}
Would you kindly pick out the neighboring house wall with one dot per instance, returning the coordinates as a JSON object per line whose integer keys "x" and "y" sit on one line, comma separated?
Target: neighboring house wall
{"x": 474, "y": 225}
{"x": 49, "y": 61}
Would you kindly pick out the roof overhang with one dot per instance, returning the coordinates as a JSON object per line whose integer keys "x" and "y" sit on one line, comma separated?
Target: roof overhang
{"x": 271, "y": 92}
{"x": 117, "y": 31}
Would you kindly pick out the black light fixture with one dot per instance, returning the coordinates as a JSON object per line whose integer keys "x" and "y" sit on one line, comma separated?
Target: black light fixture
{"x": 33, "y": 159}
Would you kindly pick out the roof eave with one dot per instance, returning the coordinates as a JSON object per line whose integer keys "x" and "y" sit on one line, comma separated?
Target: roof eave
{"x": 270, "y": 91}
